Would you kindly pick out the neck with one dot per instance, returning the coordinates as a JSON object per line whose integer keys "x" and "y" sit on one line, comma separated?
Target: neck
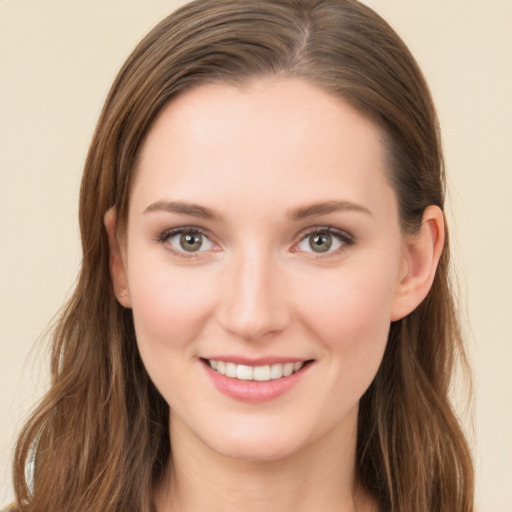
{"x": 319, "y": 477}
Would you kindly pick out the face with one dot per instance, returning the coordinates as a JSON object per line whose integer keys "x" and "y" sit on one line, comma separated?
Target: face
{"x": 262, "y": 261}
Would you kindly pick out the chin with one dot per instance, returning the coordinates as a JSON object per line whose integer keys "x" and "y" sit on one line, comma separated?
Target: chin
{"x": 263, "y": 438}
{"x": 255, "y": 450}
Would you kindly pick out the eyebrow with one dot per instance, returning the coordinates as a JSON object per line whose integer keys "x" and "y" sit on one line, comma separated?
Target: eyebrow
{"x": 182, "y": 208}
{"x": 323, "y": 208}
{"x": 312, "y": 210}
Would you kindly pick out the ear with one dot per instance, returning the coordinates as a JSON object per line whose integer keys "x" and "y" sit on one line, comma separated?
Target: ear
{"x": 421, "y": 255}
{"x": 117, "y": 263}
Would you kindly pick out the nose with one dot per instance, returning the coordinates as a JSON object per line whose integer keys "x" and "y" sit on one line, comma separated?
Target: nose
{"x": 253, "y": 303}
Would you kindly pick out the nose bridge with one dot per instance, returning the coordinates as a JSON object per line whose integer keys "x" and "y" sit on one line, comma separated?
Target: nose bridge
{"x": 253, "y": 303}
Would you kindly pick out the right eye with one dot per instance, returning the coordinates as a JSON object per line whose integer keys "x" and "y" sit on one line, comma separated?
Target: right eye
{"x": 186, "y": 240}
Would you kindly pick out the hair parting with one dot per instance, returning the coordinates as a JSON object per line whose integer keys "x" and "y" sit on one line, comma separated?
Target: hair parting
{"x": 99, "y": 439}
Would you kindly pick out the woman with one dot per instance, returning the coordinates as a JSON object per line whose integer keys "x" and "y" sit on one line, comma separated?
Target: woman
{"x": 263, "y": 317}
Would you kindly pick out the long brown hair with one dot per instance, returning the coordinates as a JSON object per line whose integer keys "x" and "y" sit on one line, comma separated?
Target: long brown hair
{"x": 99, "y": 439}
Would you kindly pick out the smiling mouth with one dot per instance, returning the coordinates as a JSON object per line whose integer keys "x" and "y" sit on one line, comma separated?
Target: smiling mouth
{"x": 263, "y": 373}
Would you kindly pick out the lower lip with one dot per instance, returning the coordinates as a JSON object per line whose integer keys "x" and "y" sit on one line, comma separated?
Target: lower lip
{"x": 254, "y": 391}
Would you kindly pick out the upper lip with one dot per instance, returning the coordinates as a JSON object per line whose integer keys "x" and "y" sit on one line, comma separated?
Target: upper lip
{"x": 260, "y": 361}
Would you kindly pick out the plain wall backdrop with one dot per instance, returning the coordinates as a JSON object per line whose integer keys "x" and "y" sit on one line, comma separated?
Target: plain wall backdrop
{"x": 57, "y": 61}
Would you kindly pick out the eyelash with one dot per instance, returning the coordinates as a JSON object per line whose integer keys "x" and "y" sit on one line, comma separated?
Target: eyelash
{"x": 344, "y": 238}
{"x": 164, "y": 237}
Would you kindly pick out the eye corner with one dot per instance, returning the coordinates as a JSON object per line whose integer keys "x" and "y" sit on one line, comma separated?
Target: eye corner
{"x": 173, "y": 239}
{"x": 337, "y": 240}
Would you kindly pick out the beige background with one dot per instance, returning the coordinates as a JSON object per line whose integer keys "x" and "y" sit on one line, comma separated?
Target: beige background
{"x": 57, "y": 60}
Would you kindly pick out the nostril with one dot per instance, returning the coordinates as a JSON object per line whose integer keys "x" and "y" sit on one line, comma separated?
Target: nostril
{"x": 254, "y": 304}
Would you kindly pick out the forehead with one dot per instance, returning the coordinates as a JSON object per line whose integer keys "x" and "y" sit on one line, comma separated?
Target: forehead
{"x": 273, "y": 138}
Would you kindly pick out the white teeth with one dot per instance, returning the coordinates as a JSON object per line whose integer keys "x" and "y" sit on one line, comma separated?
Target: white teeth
{"x": 231, "y": 369}
{"x": 287, "y": 369}
{"x": 262, "y": 373}
{"x": 276, "y": 371}
{"x": 257, "y": 373}
{"x": 244, "y": 372}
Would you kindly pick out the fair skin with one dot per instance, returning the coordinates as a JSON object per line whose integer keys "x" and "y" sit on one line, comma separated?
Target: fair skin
{"x": 262, "y": 231}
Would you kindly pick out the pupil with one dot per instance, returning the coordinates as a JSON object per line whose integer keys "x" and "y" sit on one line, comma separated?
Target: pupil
{"x": 191, "y": 241}
{"x": 321, "y": 242}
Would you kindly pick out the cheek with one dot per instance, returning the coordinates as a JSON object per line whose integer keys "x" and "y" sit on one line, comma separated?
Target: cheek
{"x": 350, "y": 316}
{"x": 170, "y": 307}
{"x": 169, "y": 304}
{"x": 353, "y": 300}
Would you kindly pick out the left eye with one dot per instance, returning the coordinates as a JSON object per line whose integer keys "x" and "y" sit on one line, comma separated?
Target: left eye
{"x": 188, "y": 241}
{"x": 322, "y": 242}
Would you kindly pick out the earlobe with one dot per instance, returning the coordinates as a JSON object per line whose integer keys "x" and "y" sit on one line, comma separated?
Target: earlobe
{"x": 117, "y": 264}
{"x": 421, "y": 253}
